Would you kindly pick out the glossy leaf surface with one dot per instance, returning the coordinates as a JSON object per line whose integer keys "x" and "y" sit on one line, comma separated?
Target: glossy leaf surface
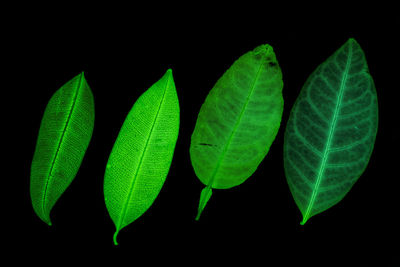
{"x": 142, "y": 154}
{"x": 331, "y": 131}
{"x": 64, "y": 136}
{"x": 238, "y": 122}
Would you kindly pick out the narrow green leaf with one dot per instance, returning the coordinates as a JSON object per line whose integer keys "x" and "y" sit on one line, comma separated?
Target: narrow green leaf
{"x": 238, "y": 122}
{"x": 64, "y": 135}
{"x": 142, "y": 154}
{"x": 331, "y": 131}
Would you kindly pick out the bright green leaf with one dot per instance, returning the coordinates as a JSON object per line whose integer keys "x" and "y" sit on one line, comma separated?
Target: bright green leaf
{"x": 142, "y": 154}
{"x": 64, "y": 136}
{"x": 238, "y": 122}
{"x": 331, "y": 131}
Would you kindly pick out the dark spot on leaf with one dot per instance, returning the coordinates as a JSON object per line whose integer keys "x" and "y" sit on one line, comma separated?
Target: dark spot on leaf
{"x": 272, "y": 64}
{"x": 204, "y": 144}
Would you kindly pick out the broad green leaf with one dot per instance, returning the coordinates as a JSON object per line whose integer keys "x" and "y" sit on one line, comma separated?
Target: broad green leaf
{"x": 64, "y": 135}
{"x": 142, "y": 154}
{"x": 331, "y": 131}
{"x": 238, "y": 122}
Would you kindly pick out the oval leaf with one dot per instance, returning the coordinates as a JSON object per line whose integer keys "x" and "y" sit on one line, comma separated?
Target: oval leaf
{"x": 331, "y": 131}
{"x": 142, "y": 154}
{"x": 64, "y": 136}
{"x": 238, "y": 122}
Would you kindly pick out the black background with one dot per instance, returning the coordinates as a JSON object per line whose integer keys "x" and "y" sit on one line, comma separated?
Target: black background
{"x": 123, "y": 52}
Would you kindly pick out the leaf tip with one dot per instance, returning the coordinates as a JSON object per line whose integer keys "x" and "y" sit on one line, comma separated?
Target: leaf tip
{"x": 352, "y": 41}
{"x": 168, "y": 75}
{"x": 263, "y": 50}
{"x": 82, "y": 75}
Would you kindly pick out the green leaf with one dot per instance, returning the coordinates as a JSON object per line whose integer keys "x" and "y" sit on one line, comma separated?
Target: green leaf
{"x": 238, "y": 122}
{"x": 142, "y": 154}
{"x": 331, "y": 131}
{"x": 64, "y": 135}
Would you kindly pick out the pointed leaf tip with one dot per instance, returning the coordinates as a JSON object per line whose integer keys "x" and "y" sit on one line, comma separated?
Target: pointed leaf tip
{"x": 82, "y": 75}
{"x": 168, "y": 75}
{"x": 352, "y": 42}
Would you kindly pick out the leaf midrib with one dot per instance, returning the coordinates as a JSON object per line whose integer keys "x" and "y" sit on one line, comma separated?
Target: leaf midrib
{"x": 60, "y": 143}
{"x": 227, "y": 144}
{"x": 131, "y": 188}
{"x": 330, "y": 136}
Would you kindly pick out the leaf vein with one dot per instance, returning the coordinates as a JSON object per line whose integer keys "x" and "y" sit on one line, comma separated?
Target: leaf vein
{"x": 131, "y": 188}
{"x": 299, "y": 172}
{"x": 227, "y": 144}
{"x": 306, "y": 143}
{"x": 315, "y": 108}
{"x": 60, "y": 143}
{"x": 330, "y": 137}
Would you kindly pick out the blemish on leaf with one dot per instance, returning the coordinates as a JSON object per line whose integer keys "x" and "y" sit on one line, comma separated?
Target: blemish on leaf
{"x": 204, "y": 144}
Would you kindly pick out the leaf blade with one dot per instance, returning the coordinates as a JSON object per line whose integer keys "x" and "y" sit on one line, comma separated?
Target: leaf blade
{"x": 63, "y": 138}
{"x": 238, "y": 121}
{"x": 142, "y": 154}
{"x": 324, "y": 132}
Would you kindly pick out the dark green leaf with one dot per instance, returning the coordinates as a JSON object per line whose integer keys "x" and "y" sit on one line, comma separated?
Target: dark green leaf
{"x": 331, "y": 131}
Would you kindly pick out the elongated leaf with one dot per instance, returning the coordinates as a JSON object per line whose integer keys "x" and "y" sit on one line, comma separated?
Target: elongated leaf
{"x": 64, "y": 136}
{"x": 238, "y": 122}
{"x": 331, "y": 131}
{"x": 142, "y": 154}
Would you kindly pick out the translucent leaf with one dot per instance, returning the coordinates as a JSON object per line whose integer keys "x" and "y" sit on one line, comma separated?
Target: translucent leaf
{"x": 331, "y": 131}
